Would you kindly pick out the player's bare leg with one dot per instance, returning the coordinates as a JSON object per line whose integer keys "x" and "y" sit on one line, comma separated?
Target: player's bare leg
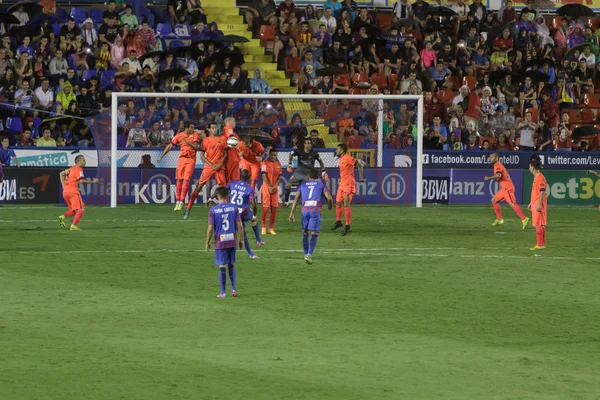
{"x": 272, "y": 219}
{"x": 312, "y": 245}
{"x": 78, "y": 216}
{"x": 348, "y": 214}
{"x": 263, "y": 219}
{"x": 193, "y": 198}
{"x": 223, "y": 281}
{"x": 517, "y": 209}
{"x": 232, "y": 279}
{"x": 496, "y": 205}
{"x": 178, "y": 189}
{"x": 62, "y": 218}
{"x": 540, "y": 235}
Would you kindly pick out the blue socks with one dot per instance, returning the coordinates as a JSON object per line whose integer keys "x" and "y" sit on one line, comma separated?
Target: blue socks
{"x": 305, "y": 243}
{"x": 257, "y": 233}
{"x": 247, "y": 245}
{"x": 232, "y": 276}
{"x": 313, "y": 244}
{"x": 222, "y": 279}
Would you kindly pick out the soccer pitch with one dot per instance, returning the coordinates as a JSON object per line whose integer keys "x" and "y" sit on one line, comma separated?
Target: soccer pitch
{"x": 429, "y": 303}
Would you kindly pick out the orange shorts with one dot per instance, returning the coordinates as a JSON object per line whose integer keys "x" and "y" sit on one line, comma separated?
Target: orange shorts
{"x": 73, "y": 200}
{"x": 269, "y": 199}
{"x": 538, "y": 218}
{"x": 506, "y": 195}
{"x": 232, "y": 172}
{"x": 185, "y": 169}
{"x": 208, "y": 173}
{"x": 345, "y": 190}
{"x": 254, "y": 169}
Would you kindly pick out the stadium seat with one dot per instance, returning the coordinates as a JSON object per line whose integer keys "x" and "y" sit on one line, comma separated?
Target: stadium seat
{"x": 393, "y": 80}
{"x": 292, "y": 64}
{"x": 88, "y": 74}
{"x": 591, "y": 100}
{"x": 37, "y": 122}
{"x": 267, "y": 32}
{"x": 164, "y": 30}
{"x": 56, "y": 30}
{"x": 96, "y": 15}
{"x": 470, "y": 81}
{"x": 587, "y": 116}
{"x": 455, "y": 82}
{"x": 14, "y": 124}
{"x": 107, "y": 76}
{"x": 176, "y": 44}
{"x": 182, "y": 31}
{"x": 573, "y": 118}
{"x": 383, "y": 20}
{"x": 380, "y": 80}
{"x": 62, "y": 14}
{"x": 535, "y": 114}
{"x": 78, "y": 14}
{"x": 446, "y": 96}
{"x": 360, "y": 77}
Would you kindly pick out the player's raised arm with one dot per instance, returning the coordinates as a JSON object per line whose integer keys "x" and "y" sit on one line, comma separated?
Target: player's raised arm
{"x": 63, "y": 177}
{"x": 86, "y": 181}
{"x": 497, "y": 175}
{"x": 296, "y": 200}
{"x": 328, "y": 197}
{"x": 323, "y": 171}
{"x": 193, "y": 145}
{"x": 360, "y": 165}
{"x": 290, "y": 160}
{"x": 594, "y": 173}
{"x": 165, "y": 151}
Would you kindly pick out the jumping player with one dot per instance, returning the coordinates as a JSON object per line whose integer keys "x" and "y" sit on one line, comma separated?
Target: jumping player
{"x": 232, "y": 166}
{"x": 70, "y": 180}
{"x": 214, "y": 156}
{"x": 224, "y": 222}
{"x": 347, "y": 187}
{"x": 188, "y": 142}
{"x": 252, "y": 153}
{"x": 306, "y": 162}
{"x": 506, "y": 193}
{"x": 538, "y": 204}
{"x": 271, "y": 174}
{"x": 311, "y": 193}
{"x": 242, "y": 196}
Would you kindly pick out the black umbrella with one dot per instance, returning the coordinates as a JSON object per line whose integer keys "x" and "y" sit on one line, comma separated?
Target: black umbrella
{"x": 535, "y": 75}
{"x": 172, "y": 73}
{"x": 586, "y": 130}
{"x": 52, "y": 19}
{"x": 151, "y": 54}
{"x": 442, "y": 12}
{"x": 255, "y": 133}
{"x": 497, "y": 76}
{"x": 329, "y": 71}
{"x": 372, "y": 40}
{"x": 7, "y": 18}
{"x": 236, "y": 59}
{"x": 575, "y": 10}
{"x": 32, "y": 8}
{"x": 232, "y": 38}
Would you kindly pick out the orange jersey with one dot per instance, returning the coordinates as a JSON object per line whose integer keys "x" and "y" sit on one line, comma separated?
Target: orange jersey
{"x": 347, "y": 163}
{"x": 539, "y": 186}
{"x": 504, "y": 179}
{"x": 252, "y": 153}
{"x": 233, "y": 157}
{"x": 214, "y": 148}
{"x": 75, "y": 174}
{"x": 185, "y": 150}
{"x": 273, "y": 171}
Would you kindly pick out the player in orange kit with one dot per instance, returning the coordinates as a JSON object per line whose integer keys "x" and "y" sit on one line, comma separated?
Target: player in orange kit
{"x": 506, "y": 193}
{"x": 271, "y": 174}
{"x": 538, "y": 204}
{"x": 347, "y": 187}
{"x": 232, "y": 167}
{"x": 188, "y": 142}
{"x": 70, "y": 180}
{"x": 214, "y": 155}
{"x": 252, "y": 153}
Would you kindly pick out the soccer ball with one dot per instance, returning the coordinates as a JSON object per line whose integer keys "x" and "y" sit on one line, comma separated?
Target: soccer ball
{"x": 232, "y": 142}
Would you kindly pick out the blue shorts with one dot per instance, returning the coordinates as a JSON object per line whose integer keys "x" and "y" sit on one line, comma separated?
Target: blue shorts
{"x": 246, "y": 215}
{"x": 311, "y": 221}
{"x": 225, "y": 256}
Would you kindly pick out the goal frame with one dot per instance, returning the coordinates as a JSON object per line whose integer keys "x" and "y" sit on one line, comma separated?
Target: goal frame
{"x": 380, "y": 97}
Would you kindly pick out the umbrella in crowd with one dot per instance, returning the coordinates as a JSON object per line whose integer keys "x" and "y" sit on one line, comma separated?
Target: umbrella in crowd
{"x": 236, "y": 59}
{"x": 52, "y": 19}
{"x": 497, "y": 76}
{"x": 255, "y": 133}
{"x": 232, "y": 38}
{"x": 535, "y": 75}
{"x": 575, "y": 10}
{"x": 543, "y": 4}
{"x": 7, "y": 18}
{"x": 151, "y": 54}
{"x": 63, "y": 119}
{"x": 593, "y": 48}
{"x": 442, "y": 12}
{"x": 313, "y": 25}
{"x": 330, "y": 71}
{"x": 32, "y": 8}
{"x": 173, "y": 73}
{"x": 586, "y": 130}
{"x": 372, "y": 40}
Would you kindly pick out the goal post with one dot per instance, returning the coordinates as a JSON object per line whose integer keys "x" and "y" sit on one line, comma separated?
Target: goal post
{"x": 377, "y": 110}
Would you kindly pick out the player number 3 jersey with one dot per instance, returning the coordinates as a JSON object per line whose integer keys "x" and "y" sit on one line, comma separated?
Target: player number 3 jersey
{"x": 224, "y": 218}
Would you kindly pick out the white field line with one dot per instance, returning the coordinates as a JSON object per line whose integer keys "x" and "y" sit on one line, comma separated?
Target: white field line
{"x": 339, "y": 252}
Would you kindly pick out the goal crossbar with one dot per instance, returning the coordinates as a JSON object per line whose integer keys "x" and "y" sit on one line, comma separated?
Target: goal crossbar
{"x": 379, "y": 97}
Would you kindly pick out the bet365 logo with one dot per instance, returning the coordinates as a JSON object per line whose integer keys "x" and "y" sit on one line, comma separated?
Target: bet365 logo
{"x": 575, "y": 188}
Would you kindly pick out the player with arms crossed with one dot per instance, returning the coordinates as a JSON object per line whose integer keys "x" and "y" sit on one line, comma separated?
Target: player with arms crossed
{"x": 241, "y": 194}
{"x": 252, "y": 153}
{"x": 271, "y": 174}
{"x": 188, "y": 142}
{"x": 214, "y": 156}
{"x": 224, "y": 223}
{"x": 311, "y": 193}
{"x": 70, "y": 180}
{"x": 506, "y": 193}
{"x": 347, "y": 187}
{"x": 306, "y": 162}
{"x": 232, "y": 166}
{"x": 538, "y": 204}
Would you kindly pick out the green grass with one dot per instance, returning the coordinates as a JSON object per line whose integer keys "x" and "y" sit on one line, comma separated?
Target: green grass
{"x": 455, "y": 309}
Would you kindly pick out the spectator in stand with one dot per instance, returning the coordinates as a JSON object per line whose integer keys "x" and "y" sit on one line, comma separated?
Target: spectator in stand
{"x": 550, "y": 111}
{"x": 68, "y": 36}
{"x": 66, "y": 95}
{"x": 324, "y": 38}
{"x": 440, "y": 76}
{"x": 25, "y": 140}
{"x": 402, "y": 12}
{"x": 303, "y": 37}
{"x": 111, "y": 11}
{"x": 336, "y": 56}
{"x": 428, "y": 56}
{"x": 439, "y": 129}
{"x": 420, "y": 10}
{"x": 392, "y": 60}
{"x": 363, "y": 19}
{"x": 7, "y": 154}
{"x": 309, "y": 13}
{"x": 108, "y": 32}
{"x": 21, "y": 15}
{"x": 287, "y": 13}
{"x": 46, "y": 139}
{"x": 25, "y": 47}
{"x": 44, "y": 97}
{"x": 543, "y": 140}
{"x": 89, "y": 35}
{"x": 137, "y": 135}
{"x": 354, "y": 140}
{"x": 317, "y": 142}
{"x": 284, "y": 41}
{"x": 526, "y": 130}
{"x": 329, "y": 20}
{"x": 261, "y": 11}
{"x": 431, "y": 142}
{"x": 178, "y": 12}
{"x": 258, "y": 84}
{"x": 315, "y": 49}
{"x": 132, "y": 63}
{"x": 334, "y": 5}
{"x": 24, "y": 99}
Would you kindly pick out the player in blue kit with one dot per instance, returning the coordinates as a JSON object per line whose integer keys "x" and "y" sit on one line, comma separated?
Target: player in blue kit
{"x": 311, "y": 192}
{"x": 241, "y": 194}
{"x": 224, "y": 222}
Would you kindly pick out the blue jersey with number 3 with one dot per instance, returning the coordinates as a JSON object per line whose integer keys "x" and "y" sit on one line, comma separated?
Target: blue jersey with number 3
{"x": 312, "y": 193}
{"x": 224, "y": 218}
{"x": 240, "y": 194}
